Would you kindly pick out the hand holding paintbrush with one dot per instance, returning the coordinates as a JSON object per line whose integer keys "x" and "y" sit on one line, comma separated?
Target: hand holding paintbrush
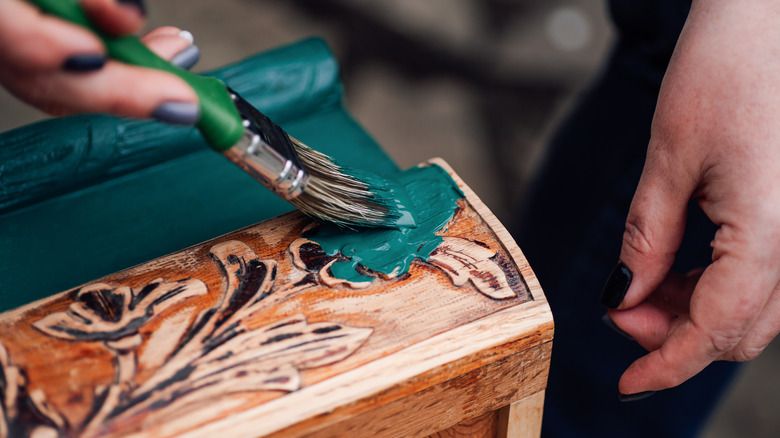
{"x": 61, "y": 68}
{"x": 309, "y": 180}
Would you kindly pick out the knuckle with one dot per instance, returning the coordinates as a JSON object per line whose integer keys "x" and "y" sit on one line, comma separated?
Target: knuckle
{"x": 725, "y": 339}
{"x": 723, "y": 342}
{"x": 745, "y": 353}
{"x": 636, "y": 238}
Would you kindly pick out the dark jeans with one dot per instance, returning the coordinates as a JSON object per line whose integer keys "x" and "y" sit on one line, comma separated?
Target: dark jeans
{"x": 571, "y": 230}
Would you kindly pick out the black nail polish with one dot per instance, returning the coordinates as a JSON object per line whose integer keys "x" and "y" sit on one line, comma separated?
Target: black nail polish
{"x": 137, "y": 3}
{"x": 84, "y": 62}
{"x": 611, "y": 324}
{"x": 617, "y": 286}
{"x": 635, "y": 397}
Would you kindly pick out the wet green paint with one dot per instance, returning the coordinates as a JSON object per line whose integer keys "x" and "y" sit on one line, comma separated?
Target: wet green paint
{"x": 427, "y": 197}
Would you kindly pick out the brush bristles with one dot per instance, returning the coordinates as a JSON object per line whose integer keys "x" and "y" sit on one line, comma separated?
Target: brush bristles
{"x": 337, "y": 197}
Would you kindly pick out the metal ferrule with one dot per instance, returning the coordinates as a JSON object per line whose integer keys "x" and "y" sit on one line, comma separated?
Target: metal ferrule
{"x": 267, "y": 153}
{"x": 275, "y": 171}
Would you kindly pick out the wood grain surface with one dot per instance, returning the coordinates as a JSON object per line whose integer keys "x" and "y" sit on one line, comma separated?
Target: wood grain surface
{"x": 250, "y": 335}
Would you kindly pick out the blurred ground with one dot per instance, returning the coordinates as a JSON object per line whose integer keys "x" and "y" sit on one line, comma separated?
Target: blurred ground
{"x": 479, "y": 83}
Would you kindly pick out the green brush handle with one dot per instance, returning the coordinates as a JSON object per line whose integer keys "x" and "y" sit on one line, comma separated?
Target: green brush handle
{"x": 220, "y": 122}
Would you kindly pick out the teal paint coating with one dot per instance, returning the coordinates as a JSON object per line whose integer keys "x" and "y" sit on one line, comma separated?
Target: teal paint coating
{"x": 292, "y": 85}
{"x": 389, "y": 193}
{"x": 85, "y": 196}
{"x": 431, "y": 197}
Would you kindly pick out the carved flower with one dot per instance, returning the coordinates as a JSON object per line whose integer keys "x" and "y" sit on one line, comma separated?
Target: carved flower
{"x": 101, "y": 312}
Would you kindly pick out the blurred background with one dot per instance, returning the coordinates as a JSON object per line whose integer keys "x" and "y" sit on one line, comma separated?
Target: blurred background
{"x": 480, "y": 83}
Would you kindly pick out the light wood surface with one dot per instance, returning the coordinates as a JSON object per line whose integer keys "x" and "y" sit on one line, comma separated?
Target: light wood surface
{"x": 523, "y": 418}
{"x": 250, "y": 335}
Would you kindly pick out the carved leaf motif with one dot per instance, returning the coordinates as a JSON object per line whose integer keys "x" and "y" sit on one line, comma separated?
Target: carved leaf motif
{"x": 266, "y": 359}
{"x": 219, "y": 352}
{"x": 23, "y": 413}
{"x": 247, "y": 281}
{"x": 465, "y": 261}
{"x": 461, "y": 259}
{"x": 290, "y": 341}
{"x": 101, "y": 312}
{"x": 223, "y": 354}
{"x": 309, "y": 256}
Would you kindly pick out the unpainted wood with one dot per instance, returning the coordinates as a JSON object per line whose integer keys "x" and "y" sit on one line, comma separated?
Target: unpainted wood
{"x": 444, "y": 405}
{"x": 250, "y": 335}
{"x": 484, "y": 426}
{"x": 523, "y": 418}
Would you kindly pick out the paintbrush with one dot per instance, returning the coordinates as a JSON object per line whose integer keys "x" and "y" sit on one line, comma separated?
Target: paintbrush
{"x": 310, "y": 180}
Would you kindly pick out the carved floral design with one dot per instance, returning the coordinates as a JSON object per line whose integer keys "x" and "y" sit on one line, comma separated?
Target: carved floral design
{"x": 220, "y": 351}
{"x": 462, "y": 260}
{"x": 466, "y": 261}
{"x": 101, "y": 312}
{"x": 309, "y": 256}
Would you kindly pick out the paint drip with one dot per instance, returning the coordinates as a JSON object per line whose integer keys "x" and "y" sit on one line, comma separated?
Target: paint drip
{"x": 427, "y": 197}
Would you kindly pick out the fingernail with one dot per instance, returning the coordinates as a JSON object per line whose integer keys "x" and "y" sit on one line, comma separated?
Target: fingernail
{"x": 617, "y": 284}
{"x": 611, "y": 324}
{"x": 635, "y": 397}
{"x": 84, "y": 62}
{"x": 137, "y": 3}
{"x": 187, "y": 35}
{"x": 187, "y": 57}
{"x": 177, "y": 113}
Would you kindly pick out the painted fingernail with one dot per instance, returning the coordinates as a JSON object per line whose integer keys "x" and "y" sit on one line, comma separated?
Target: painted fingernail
{"x": 187, "y": 57}
{"x": 137, "y": 3}
{"x": 177, "y": 113}
{"x": 635, "y": 397}
{"x": 617, "y": 284}
{"x": 611, "y": 324}
{"x": 84, "y": 62}
{"x": 187, "y": 35}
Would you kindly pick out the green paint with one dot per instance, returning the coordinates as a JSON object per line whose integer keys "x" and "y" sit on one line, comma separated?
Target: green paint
{"x": 76, "y": 193}
{"x": 427, "y": 194}
{"x": 390, "y": 193}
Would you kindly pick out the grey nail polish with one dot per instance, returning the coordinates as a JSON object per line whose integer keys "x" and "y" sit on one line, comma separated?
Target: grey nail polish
{"x": 635, "y": 397}
{"x": 616, "y": 287}
{"x": 137, "y": 3}
{"x": 187, "y": 57}
{"x": 84, "y": 62}
{"x": 177, "y": 113}
{"x": 611, "y": 324}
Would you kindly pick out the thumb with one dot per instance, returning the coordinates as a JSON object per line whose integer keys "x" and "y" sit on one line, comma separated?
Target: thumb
{"x": 654, "y": 230}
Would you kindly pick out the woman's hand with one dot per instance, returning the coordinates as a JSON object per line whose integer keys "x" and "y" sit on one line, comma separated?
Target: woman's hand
{"x": 715, "y": 138}
{"x": 62, "y": 68}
